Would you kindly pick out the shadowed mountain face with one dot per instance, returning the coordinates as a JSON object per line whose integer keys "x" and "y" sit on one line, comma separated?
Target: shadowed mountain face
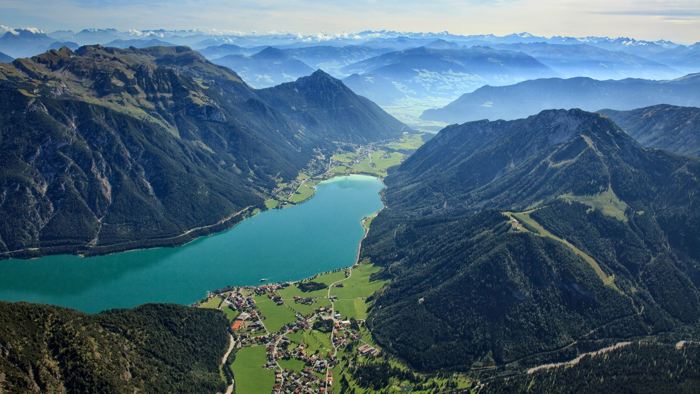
{"x": 269, "y": 67}
{"x": 529, "y": 240}
{"x": 153, "y": 348}
{"x": 429, "y": 72}
{"x": 113, "y": 149}
{"x": 5, "y": 58}
{"x": 671, "y": 128}
{"x": 530, "y": 97}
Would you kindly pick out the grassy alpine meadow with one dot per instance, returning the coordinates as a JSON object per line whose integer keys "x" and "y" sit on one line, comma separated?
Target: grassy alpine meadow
{"x": 248, "y": 372}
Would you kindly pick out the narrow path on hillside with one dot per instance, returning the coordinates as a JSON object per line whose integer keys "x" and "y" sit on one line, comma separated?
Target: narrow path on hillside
{"x": 522, "y": 221}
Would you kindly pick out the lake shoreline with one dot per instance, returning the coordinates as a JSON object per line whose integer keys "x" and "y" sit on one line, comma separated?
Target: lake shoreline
{"x": 81, "y": 250}
{"x": 279, "y": 245}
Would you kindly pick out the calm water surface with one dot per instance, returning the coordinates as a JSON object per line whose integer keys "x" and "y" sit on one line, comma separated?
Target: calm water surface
{"x": 288, "y": 244}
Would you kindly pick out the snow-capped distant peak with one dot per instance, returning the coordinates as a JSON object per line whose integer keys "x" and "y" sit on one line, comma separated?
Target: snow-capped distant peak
{"x": 33, "y": 30}
{"x": 15, "y": 31}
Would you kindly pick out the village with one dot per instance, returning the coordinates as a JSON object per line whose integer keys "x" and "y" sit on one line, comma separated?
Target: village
{"x": 299, "y": 328}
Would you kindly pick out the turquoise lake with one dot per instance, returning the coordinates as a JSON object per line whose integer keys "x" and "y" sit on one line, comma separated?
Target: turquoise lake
{"x": 319, "y": 235}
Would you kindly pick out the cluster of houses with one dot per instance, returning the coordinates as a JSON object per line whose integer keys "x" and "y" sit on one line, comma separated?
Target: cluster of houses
{"x": 367, "y": 350}
{"x": 315, "y": 376}
{"x": 302, "y": 382}
{"x": 303, "y": 300}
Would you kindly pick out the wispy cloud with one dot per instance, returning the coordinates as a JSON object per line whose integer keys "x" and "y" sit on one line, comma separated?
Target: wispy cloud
{"x": 649, "y": 19}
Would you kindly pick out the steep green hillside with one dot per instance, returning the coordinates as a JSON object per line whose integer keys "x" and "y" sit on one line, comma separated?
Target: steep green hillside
{"x": 109, "y": 149}
{"x": 512, "y": 244}
{"x": 153, "y": 348}
{"x": 625, "y": 367}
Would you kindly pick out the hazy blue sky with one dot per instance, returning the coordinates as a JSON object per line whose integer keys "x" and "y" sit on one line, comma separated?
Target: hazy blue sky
{"x": 646, "y": 19}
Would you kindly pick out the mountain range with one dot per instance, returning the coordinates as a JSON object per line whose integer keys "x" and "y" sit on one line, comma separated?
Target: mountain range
{"x": 25, "y": 42}
{"x": 110, "y": 149}
{"x": 428, "y": 72}
{"x": 512, "y": 244}
{"x": 269, "y": 67}
{"x": 530, "y": 97}
{"x": 668, "y": 127}
{"x": 136, "y": 43}
{"x": 585, "y": 60}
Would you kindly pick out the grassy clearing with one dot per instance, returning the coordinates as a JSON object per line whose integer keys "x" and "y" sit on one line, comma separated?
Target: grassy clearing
{"x": 378, "y": 162}
{"x": 339, "y": 170}
{"x": 407, "y": 142}
{"x": 605, "y": 202}
{"x": 212, "y": 303}
{"x": 271, "y": 203}
{"x": 314, "y": 341}
{"x": 533, "y": 226}
{"x": 249, "y": 375}
{"x": 307, "y": 310}
{"x": 319, "y": 296}
{"x": 292, "y": 364}
{"x": 367, "y": 221}
{"x": 231, "y": 315}
{"x": 348, "y": 157}
{"x": 355, "y": 308}
{"x": 275, "y": 316}
{"x": 305, "y": 191}
{"x": 353, "y": 294}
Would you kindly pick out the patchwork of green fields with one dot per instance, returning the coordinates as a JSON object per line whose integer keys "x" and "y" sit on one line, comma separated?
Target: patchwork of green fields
{"x": 249, "y": 375}
{"x": 314, "y": 341}
{"x": 408, "y": 142}
{"x": 275, "y": 316}
{"x": 352, "y": 296}
{"x": 303, "y": 193}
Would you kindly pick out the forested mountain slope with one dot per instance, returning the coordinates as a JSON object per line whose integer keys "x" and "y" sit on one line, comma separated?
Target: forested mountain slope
{"x": 108, "y": 149}
{"x": 628, "y": 367}
{"x": 668, "y": 127}
{"x": 153, "y": 348}
{"x": 513, "y": 243}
